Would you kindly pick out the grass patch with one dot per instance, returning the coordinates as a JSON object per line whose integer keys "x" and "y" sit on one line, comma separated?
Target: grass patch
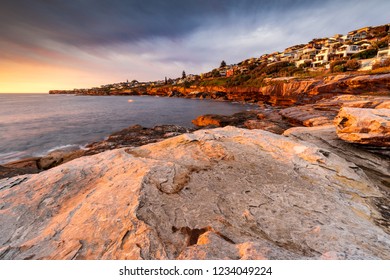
{"x": 214, "y": 82}
{"x": 382, "y": 70}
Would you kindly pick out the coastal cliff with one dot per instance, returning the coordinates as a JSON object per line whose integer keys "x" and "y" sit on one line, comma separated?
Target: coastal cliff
{"x": 278, "y": 91}
{"x": 182, "y": 199}
{"x": 287, "y": 91}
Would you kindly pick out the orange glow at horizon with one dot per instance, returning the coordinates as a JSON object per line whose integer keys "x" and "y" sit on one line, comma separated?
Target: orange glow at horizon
{"x": 32, "y": 77}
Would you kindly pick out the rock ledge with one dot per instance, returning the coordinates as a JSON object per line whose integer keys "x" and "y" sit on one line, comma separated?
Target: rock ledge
{"x": 225, "y": 193}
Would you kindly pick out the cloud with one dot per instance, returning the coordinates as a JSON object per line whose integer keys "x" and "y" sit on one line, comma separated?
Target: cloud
{"x": 152, "y": 39}
{"x": 101, "y": 22}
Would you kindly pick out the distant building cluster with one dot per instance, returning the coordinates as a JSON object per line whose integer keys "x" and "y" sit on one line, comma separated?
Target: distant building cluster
{"x": 370, "y": 45}
{"x": 319, "y": 53}
{"x": 123, "y": 87}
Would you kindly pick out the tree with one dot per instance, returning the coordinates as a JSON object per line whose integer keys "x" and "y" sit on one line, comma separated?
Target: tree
{"x": 223, "y": 64}
{"x": 215, "y": 73}
{"x": 183, "y": 75}
{"x": 166, "y": 80}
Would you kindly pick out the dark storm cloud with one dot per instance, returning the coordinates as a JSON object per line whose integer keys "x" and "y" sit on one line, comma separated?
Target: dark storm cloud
{"x": 91, "y": 22}
{"x": 150, "y": 39}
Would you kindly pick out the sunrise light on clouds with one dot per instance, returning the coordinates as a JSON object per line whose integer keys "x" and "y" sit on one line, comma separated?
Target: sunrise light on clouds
{"x": 64, "y": 45}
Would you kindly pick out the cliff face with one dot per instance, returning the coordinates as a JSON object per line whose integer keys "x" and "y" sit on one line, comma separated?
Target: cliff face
{"x": 276, "y": 93}
{"x": 284, "y": 92}
{"x": 361, "y": 84}
{"x": 182, "y": 199}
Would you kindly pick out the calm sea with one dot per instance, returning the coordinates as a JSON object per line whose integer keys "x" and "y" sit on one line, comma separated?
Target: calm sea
{"x": 34, "y": 124}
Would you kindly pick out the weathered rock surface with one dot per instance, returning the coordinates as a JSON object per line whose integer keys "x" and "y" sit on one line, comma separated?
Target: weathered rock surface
{"x": 37, "y": 164}
{"x": 364, "y": 126}
{"x": 237, "y": 119}
{"x": 268, "y": 120}
{"x": 376, "y": 166}
{"x": 132, "y": 136}
{"x": 324, "y": 111}
{"x": 6, "y": 172}
{"x": 226, "y": 193}
{"x": 354, "y": 84}
{"x": 23, "y": 166}
{"x": 135, "y": 136}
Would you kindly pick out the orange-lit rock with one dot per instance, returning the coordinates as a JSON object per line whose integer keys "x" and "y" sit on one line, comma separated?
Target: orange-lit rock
{"x": 237, "y": 119}
{"x": 225, "y": 193}
{"x": 132, "y": 136}
{"x": 364, "y": 126}
{"x": 324, "y": 111}
{"x": 279, "y": 91}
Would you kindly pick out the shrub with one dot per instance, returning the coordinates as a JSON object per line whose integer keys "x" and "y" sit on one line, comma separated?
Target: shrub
{"x": 252, "y": 67}
{"x": 306, "y": 64}
{"x": 275, "y": 67}
{"x": 215, "y": 73}
{"x": 244, "y": 78}
{"x": 352, "y": 65}
{"x": 339, "y": 68}
{"x": 335, "y": 63}
{"x": 382, "y": 43}
{"x": 288, "y": 71}
{"x": 381, "y": 64}
{"x": 382, "y": 34}
{"x": 260, "y": 69}
{"x": 386, "y": 62}
{"x": 187, "y": 84}
{"x": 370, "y": 53}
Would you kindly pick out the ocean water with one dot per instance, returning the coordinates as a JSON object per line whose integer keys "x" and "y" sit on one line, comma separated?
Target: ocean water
{"x": 35, "y": 124}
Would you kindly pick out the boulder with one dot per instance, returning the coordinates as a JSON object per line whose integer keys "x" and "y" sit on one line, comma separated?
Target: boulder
{"x": 267, "y": 119}
{"x": 272, "y": 126}
{"x": 19, "y": 167}
{"x": 307, "y": 115}
{"x": 324, "y": 111}
{"x": 364, "y": 126}
{"x": 225, "y": 193}
{"x": 58, "y": 157}
{"x": 237, "y": 119}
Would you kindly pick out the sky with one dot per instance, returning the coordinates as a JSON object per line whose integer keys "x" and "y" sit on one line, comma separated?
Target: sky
{"x": 57, "y": 44}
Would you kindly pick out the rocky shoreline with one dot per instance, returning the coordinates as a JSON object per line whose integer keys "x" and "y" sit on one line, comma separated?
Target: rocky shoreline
{"x": 273, "y": 119}
{"x": 314, "y": 184}
{"x": 274, "y": 91}
{"x": 133, "y": 136}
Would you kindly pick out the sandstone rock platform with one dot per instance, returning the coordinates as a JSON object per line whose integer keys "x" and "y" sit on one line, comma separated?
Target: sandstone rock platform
{"x": 324, "y": 111}
{"x": 364, "y": 126}
{"x": 225, "y": 193}
{"x": 133, "y": 136}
